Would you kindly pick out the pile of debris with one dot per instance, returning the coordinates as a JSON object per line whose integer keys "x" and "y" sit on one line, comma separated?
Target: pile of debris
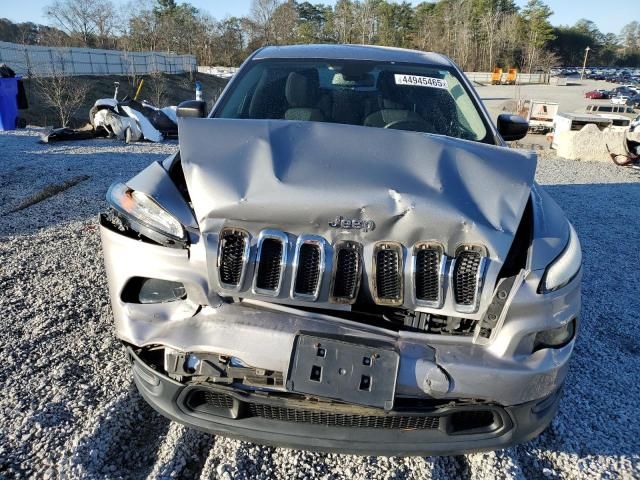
{"x": 127, "y": 120}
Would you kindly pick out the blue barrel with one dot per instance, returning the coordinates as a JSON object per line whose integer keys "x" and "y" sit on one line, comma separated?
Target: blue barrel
{"x": 8, "y": 103}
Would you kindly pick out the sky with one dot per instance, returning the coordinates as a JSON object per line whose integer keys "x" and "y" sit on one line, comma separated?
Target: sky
{"x": 566, "y": 12}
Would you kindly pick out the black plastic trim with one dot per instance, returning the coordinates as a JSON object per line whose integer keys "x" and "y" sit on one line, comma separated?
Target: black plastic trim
{"x": 521, "y": 423}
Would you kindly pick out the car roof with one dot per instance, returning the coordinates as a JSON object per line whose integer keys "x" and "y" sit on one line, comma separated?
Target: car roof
{"x": 354, "y": 52}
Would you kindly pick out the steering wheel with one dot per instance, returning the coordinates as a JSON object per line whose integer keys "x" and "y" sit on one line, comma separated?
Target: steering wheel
{"x": 411, "y": 125}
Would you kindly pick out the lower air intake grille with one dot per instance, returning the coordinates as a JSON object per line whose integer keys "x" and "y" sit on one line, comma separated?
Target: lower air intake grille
{"x": 465, "y": 273}
{"x": 456, "y": 421}
{"x": 388, "y": 264}
{"x": 427, "y": 274}
{"x": 308, "y": 273}
{"x": 348, "y": 270}
{"x": 218, "y": 400}
{"x": 320, "y": 417}
{"x": 269, "y": 268}
{"x": 232, "y": 260}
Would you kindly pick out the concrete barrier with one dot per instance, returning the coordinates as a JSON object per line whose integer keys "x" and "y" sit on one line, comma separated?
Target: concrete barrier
{"x": 590, "y": 143}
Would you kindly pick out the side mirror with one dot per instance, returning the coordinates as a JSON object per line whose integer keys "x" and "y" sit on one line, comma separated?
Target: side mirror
{"x": 192, "y": 108}
{"x": 512, "y": 127}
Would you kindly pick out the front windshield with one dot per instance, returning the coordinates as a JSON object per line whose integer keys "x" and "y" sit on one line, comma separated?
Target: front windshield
{"x": 372, "y": 94}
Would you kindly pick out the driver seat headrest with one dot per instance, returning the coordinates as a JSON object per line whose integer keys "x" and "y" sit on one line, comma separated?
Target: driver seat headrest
{"x": 389, "y": 98}
{"x": 303, "y": 88}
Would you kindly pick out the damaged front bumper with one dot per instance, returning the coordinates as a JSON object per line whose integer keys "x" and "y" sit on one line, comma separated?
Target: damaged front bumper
{"x": 483, "y": 396}
{"x": 443, "y": 430}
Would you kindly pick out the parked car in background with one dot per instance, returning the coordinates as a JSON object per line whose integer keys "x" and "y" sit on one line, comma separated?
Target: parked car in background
{"x": 620, "y": 99}
{"x": 596, "y": 95}
{"x": 634, "y": 101}
{"x": 345, "y": 255}
{"x": 624, "y": 90}
{"x": 625, "y": 110}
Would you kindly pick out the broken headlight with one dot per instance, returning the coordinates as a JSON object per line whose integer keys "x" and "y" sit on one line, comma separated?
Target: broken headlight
{"x": 564, "y": 268}
{"x": 141, "y": 209}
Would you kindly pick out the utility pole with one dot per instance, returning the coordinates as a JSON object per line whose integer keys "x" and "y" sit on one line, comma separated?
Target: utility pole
{"x": 584, "y": 65}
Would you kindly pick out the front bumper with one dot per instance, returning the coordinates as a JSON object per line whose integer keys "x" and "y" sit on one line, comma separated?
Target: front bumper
{"x": 275, "y": 423}
{"x": 504, "y": 372}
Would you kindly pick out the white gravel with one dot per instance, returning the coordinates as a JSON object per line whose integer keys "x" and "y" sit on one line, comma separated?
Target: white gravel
{"x": 68, "y": 408}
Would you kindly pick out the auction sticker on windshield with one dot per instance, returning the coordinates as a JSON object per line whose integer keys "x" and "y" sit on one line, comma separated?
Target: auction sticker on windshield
{"x": 420, "y": 81}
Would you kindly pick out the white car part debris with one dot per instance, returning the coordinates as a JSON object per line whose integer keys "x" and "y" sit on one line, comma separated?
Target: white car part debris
{"x": 171, "y": 113}
{"x": 106, "y": 102}
{"x": 148, "y": 130}
{"x": 123, "y": 128}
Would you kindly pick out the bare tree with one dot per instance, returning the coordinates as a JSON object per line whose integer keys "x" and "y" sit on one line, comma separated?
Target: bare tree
{"x": 284, "y": 23}
{"x": 83, "y": 19}
{"x": 490, "y": 22}
{"x": 630, "y": 36}
{"x": 105, "y": 20}
{"x": 228, "y": 42}
{"x": 62, "y": 93}
{"x": 536, "y": 15}
{"x": 262, "y": 12}
{"x": 158, "y": 85}
{"x": 477, "y": 34}
{"x": 366, "y": 20}
{"x": 343, "y": 21}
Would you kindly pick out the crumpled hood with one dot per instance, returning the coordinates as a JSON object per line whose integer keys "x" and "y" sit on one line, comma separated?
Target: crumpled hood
{"x": 300, "y": 176}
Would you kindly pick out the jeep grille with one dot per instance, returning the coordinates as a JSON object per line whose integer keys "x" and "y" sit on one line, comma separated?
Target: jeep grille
{"x": 312, "y": 255}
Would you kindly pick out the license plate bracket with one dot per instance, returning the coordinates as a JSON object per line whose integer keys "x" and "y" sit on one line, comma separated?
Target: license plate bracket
{"x": 343, "y": 370}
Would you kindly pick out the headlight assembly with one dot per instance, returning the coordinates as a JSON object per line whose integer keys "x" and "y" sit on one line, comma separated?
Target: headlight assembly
{"x": 564, "y": 268}
{"x": 141, "y": 210}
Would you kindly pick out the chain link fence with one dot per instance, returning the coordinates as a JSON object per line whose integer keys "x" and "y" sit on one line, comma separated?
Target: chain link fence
{"x": 32, "y": 60}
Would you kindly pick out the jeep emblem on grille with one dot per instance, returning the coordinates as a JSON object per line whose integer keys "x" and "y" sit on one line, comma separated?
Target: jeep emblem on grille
{"x": 353, "y": 224}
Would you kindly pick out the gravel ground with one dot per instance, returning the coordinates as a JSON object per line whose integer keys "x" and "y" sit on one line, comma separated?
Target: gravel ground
{"x": 68, "y": 408}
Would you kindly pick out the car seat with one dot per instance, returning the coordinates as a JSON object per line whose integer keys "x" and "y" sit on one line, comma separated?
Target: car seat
{"x": 302, "y": 92}
{"x": 392, "y": 106}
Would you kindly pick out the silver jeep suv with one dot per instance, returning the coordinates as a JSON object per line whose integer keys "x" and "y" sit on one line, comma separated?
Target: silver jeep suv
{"x": 345, "y": 256}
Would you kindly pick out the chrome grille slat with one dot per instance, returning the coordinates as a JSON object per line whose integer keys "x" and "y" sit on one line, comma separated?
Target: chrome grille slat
{"x": 429, "y": 263}
{"x": 467, "y": 274}
{"x": 308, "y": 267}
{"x": 308, "y": 275}
{"x": 268, "y": 276}
{"x": 464, "y": 275}
{"x": 429, "y": 268}
{"x": 233, "y": 256}
{"x": 347, "y": 272}
{"x": 271, "y": 262}
{"x": 387, "y": 262}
